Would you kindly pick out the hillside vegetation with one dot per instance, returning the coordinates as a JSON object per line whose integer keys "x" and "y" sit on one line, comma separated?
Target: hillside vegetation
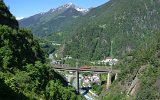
{"x": 6, "y": 17}
{"x": 133, "y": 28}
{"x": 128, "y": 23}
{"x": 24, "y": 73}
{"x": 141, "y": 66}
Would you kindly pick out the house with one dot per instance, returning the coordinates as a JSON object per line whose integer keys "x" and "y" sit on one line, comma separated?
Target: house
{"x": 95, "y": 78}
{"x": 110, "y": 61}
{"x": 67, "y": 57}
{"x": 86, "y": 81}
{"x": 113, "y": 61}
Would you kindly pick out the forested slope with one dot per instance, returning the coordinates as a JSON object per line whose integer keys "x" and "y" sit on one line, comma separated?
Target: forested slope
{"x": 24, "y": 72}
{"x": 6, "y": 17}
{"x": 128, "y": 23}
{"x": 133, "y": 27}
{"x": 140, "y": 74}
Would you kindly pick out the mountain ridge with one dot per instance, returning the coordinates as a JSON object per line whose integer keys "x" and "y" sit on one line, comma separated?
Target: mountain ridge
{"x": 53, "y": 21}
{"x": 68, "y": 5}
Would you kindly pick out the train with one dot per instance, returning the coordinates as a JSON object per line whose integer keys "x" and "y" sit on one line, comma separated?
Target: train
{"x": 85, "y": 67}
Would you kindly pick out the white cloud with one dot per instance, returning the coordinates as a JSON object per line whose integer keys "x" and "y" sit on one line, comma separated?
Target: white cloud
{"x": 19, "y": 18}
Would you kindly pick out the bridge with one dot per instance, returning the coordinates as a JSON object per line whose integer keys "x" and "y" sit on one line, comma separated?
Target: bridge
{"x": 109, "y": 71}
{"x": 96, "y": 70}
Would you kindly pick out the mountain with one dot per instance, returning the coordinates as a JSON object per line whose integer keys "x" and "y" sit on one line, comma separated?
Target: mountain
{"x": 17, "y": 45}
{"x": 130, "y": 31}
{"x": 24, "y": 72}
{"x": 140, "y": 74}
{"x": 126, "y": 23}
{"x": 6, "y": 18}
{"x": 53, "y": 21}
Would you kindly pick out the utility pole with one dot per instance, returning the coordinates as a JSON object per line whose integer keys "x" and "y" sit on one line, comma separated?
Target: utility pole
{"x": 111, "y": 54}
{"x": 63, "y": 54}
{"x": 110, "y": 72}
{"x": 77, "y": 74}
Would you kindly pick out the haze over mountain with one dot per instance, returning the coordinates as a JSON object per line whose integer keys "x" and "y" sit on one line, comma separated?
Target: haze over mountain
{"x": 54, "y": 20}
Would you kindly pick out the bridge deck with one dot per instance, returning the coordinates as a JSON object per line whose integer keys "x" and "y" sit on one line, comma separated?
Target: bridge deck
{"x": 104, "y": 70}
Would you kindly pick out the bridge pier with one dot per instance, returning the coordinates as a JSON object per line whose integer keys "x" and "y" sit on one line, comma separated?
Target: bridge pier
{"x": 109, "y": 80}
{"x": 77, "y": 74}
{"x": 77, "y": 70}
{"x": 116, "y": 76}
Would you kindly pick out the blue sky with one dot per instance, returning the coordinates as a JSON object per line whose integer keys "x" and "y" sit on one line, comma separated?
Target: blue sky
{"x": 26, "y": 8}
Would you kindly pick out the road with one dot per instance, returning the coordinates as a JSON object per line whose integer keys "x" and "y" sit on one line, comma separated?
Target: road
{"x": 85, "y": 93}
{"x": 53, "y": 61}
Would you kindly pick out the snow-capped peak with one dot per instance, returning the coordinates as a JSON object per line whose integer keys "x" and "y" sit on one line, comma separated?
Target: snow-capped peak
{"x": 81, "y": 9}
{"x": 66, "y": 6}
{"x": 42, "y": 13}
{"x": 69, "y": 5}
{"x": 52, "y": 10}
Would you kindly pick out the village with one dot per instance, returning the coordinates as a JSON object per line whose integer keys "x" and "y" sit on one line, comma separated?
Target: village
{"x": 93, "y": 81}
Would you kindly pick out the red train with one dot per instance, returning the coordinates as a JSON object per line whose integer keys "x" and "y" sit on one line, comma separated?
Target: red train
{"x": 85, "y": 67}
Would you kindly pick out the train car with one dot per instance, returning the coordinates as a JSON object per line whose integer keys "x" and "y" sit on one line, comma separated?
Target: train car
{"x": 85, "y": 67}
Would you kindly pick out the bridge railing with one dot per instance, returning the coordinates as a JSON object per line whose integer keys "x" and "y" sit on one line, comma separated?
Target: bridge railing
{"x": 100, "y": 67}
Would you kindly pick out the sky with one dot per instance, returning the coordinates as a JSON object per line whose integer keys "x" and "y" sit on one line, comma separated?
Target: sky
{"x": 26, "y": 8}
